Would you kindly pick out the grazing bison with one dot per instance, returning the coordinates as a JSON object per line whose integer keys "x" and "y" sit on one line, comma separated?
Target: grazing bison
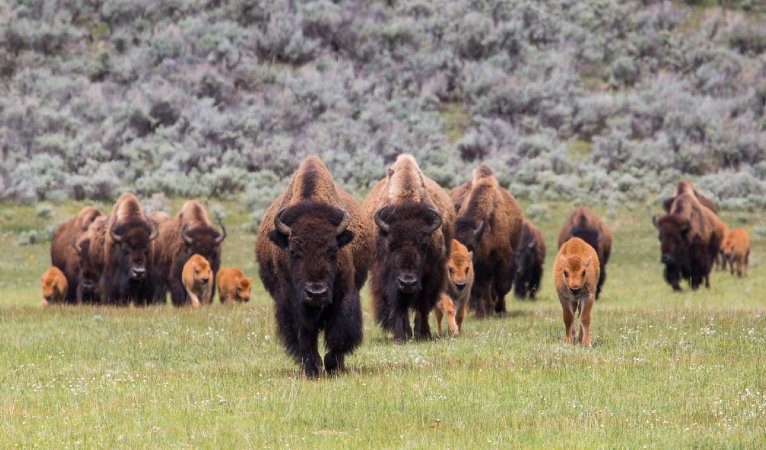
{"x": 64, "y": 254}
{"x": 690, "y": 238}
{"x": 187, "y": 233}
{"x": 489, "y": 224}
{"x": 736, "y": 249}
{"x": 233, "y": 285}
{"x": 198, "y": 281}
{"x": 529, "y": 262}
{"x": 411, "y": 218}
{"x": 53, "y": 285}
{"x": 592, "y": 230}
{"x": 312, "y": 250}
{"x": 574, "y": 275}
{"x": 454, "y": 300}
{"x": 127, "y": 269}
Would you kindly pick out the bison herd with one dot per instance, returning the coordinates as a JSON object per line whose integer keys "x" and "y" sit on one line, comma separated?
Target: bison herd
{"x": 425, "y": 250}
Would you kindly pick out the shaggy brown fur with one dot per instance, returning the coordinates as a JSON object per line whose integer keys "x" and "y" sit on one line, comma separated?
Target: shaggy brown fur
{"x": 595, "y": 232}
{"x": 233, "y": 285}
{"x": 736, "y": 249}
{"x": 528, "y": 262}
{"x": 575, "y": 273}
{"x": 458, "y": 288}
{"x": 53, "y": 285}
{"x": 188, "y": 232}
{"x": 489, "y": 224}
{"x": 198, "y": 281}
{"x": 690, "y": 237}
{"x": 411, "y": 218}
{"x": 64, "y": 253}
{"x": 685, "y": 187}
{"x": 312, "y": 249}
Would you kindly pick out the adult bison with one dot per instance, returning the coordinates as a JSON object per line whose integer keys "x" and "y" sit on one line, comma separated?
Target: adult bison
{"x": 90, "y": 251}
{"x": 489, "y": 224}
{"x": 64, "y": 253}
{"x": 411, "y": 218}
{"x": 127, "y": 251}
{"x": 528, "y": 262}
{"x": 187, "y": 233}
{"x": 312, "y": 251}
{"x": 595, "y": 232}
{"x": 690, "y": 238}
{"x": 685, "y": 187}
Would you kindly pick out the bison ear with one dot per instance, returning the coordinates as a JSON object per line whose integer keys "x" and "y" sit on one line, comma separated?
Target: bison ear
{"x": 655, "y": 222}
{"x": 345, "y": 237}
{"x": 587, "y": 261}
{"x": 470, "y": 255}
{"x": 667, "y": 203}
{"x": 279, "y": 239}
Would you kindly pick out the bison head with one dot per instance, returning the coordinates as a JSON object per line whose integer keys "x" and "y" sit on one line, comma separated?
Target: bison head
{"x": 574, "y": 271}
{"x": 133, "y": 239}
{"x": 243, "y": 289}
{"x": 312, "y": 234}
{"x": 459, "y": 266}
{"x": 469, "y": 232}
{"x": 673, "y": 231}
{"x": 204, "y": 241}
{"x": 525, "y": 256}
{"x": 87, "y": 272}
{"x": 405, "y": 233}
{"x": 592, "y": 236}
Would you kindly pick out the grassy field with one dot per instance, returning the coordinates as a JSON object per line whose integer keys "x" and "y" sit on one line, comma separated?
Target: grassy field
{"x": 666, "y": 370}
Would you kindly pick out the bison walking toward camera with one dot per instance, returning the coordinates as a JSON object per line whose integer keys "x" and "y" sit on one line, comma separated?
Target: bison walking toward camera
{"x": 489, "y": 224}
{"x": 591, "y": 229}
{"x": 411, "y": 218}
{"x": 312, "y": 250}
{"x": 575, "y": 273}
{"x": 453, "y": 302}
{"x": 65, "y": 255}
{"x": 528, "y": 262}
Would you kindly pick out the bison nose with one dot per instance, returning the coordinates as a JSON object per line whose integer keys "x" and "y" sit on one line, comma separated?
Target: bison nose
{"x": 88, "y": 284}
{"x": 666, "y": 259}
{"x": 460, "y": 286}
{"x": 314, "y": 290}
{"x": 408, "y": 283}
{"x": 138, "y": 273}
{"x": 575, "y": 290}
{"x": 48, "y": 298}
{"x": 205, "y": 280}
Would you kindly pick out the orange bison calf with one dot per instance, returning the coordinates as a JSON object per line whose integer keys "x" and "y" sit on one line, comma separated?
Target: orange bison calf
{"x": 575, "y": 274}
{"x": 736, "y": 249}
{"x": 54, "y": 286}
{"x": 454, "y": 300}
{"x": 233, "y": 285}
{"x": 197, "y": 278}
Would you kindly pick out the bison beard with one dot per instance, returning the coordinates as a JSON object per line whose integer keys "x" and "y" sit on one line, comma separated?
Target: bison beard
{"x": 411, "y": 270}
{"x": 313, "y": 287}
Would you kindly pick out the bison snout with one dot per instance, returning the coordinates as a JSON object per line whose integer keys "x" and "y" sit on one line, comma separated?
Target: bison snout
{"x": 88, "y": 285}
{"x": 666, "y": 259}
{"x": 575, "y": 290}
{"x": 459, "y": 286}
{"x": 205, "y": 280}
{"x": 316, "y": 294}
{"x": 138, "y": 273}
{"x": 408, "y": 283}
{"x": 48, "y": 298}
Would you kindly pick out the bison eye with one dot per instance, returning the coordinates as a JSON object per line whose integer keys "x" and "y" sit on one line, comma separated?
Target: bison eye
{"x": 583, "y": 274}
{"x": 566, "y": 274}
{"x": 449, "y": 270}
{"x": 466, "y": 270}
{"x": 294, "y": 254}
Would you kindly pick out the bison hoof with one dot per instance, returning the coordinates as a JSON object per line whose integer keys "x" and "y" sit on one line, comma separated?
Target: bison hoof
{"x": 334, "y": 363}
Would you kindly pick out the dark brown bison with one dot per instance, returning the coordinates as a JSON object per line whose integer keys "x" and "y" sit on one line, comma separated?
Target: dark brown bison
{"x": 90, "y": 252}
{"x": 528, "y": 263}
{"x": 489, "y": 224}
{"x": 312, "y": 250}
{"x": 187, "y": 233}
{"x": 411, "y": 218}
{"x": 64, "y": 253}
{"x": 127, "y": 269}
{"x": 690, "y": 238}
{"x": 595, "y": 232}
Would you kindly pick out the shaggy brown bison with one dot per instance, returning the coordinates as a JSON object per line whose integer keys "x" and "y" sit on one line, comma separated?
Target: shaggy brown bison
{"x": 454, "y": 300}
{"x": 127, "y": 251}
{"x": 574, "y": 275}
{"x": 690, "y": 238}
{"x": 64, "y": 254}
{"x": 198, "y": 281}
{"x": 489, "y": 224}
{"x": 90, "y": 251}
{"x": 736, "y": 250}
{"x": 685, "y": 187}
{"x": 592, "y": 230}
{"x": 311, "y": 246}
{"x": 181, "y": 236}
{"x": 528, "y": 262}
{"x": 411, "y": 218}
{"x": 53, "y": 286}
{"x": 233, "y": 285}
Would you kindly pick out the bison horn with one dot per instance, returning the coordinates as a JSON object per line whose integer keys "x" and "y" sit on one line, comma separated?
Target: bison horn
{"x": 654, "y": 221}
{"x": 479, "y": 229}
{"x": 222, "y": 235}
{"x": 74, "y": 245}
{"x": 437, "y": 220}
{"x": 115, "y": 237}
{"x": 155, "y": 231}
{"x": 384, "y": 227}
{"x": 279, "y": 225}
{"x": 185, "y": 236}
{"x": 343, "y": 223}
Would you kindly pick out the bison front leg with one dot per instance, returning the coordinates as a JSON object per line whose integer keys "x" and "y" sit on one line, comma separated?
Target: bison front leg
{"x": 584, "y": 335}
{"x": 568, "y": 321}
{"x": 308, "y": 352}
{"x": 422, "y": 328}
{"x": 401, "y": 320}
{"x": 438, "y": 315}
{"x": 673, "y": 277}
{"x": 343, "y": 333}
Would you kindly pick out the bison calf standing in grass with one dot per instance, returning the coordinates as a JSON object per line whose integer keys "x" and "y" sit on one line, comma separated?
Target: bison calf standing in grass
{"x": 736, "y": 249}
{"x": 575, "y": 274}
{"x": 454, "y": 300}
{"x": 529, "y": 260}
{"x": 53, "y": 285}
{"x": 233, "y": 285}
{"x": 313, "y": 249}
{"x": 593, "y": 231}
{"x": 198, "y": 281}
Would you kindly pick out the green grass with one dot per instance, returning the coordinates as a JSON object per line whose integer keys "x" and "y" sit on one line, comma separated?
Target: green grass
{"x": 666, "y": 370}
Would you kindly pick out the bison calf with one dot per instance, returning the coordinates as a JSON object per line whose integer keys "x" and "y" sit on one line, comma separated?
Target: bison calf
{"x": 575, "y": 274}
{"x": 454, "y": 300}
{"x": 198, "y": 281}
{"x": 233, "y": 285}
{"x": 53, "y": 285}
{"x": 736, "y": 249}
